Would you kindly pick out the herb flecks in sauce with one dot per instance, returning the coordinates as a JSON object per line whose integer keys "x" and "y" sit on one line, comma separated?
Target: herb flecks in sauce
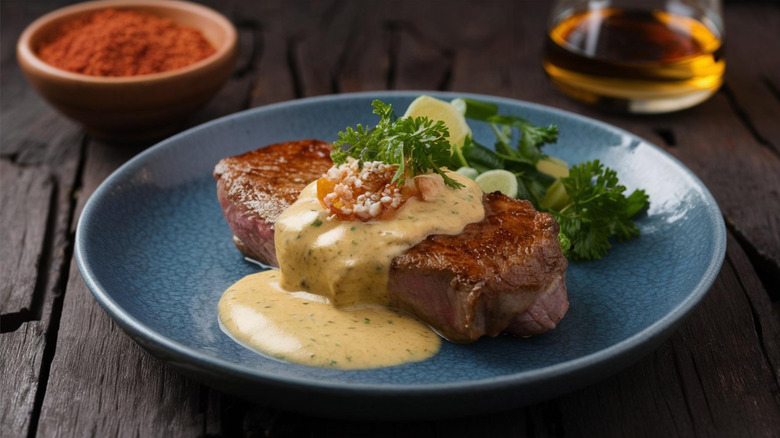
{"x": 352, "y": 277}
{"x": 320, "y": 334}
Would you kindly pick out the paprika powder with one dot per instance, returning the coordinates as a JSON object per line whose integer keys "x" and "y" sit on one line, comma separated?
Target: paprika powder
{"x": 114, "y": 42}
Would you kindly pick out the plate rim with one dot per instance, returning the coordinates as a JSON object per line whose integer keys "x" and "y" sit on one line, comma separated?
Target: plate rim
{"x": 180, "y": 353}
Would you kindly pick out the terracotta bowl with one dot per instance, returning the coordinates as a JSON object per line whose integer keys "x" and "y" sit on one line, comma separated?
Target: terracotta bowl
{"x": 131, "y": 108}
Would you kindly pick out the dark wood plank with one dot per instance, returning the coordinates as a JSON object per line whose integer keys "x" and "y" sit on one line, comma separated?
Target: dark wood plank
{"x": 766, "y": 316}
{"x": 30, "y": 334}
{"x": 486, "y": 49}
{"x": 753, "y": 88}
{"x": 367, "y": 63}
{"x": 21, "y": 357}
{"x": 24, "y": 206}
{"x": 273, "y": 81}
{"x": 753, "y": 70}
{"x": 101, "y": 383}
{"x": 320, "y": 34}
{"x": 27, "y": 197}
{"x": 39, "y": 153}
{"x": 420, "y": 48}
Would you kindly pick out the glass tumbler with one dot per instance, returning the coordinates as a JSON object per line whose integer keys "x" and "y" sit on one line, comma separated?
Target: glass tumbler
{"x": 636, "y": 56}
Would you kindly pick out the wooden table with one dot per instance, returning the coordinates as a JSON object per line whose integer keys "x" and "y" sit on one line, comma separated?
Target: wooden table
{"x": 67, "y": 370}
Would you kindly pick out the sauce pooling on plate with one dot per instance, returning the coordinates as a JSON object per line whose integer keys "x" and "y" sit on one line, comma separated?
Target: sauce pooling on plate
{"x": 342, "y": 268}
{"x": 305, "y": 328}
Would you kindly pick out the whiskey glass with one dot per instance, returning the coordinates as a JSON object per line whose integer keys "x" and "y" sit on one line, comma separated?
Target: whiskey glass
{"x": 636, "y": 56}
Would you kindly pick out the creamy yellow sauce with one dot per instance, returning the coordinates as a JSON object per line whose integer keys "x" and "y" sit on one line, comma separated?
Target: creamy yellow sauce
{"x": 349, "y": 261}
{"x": 344, "y": 265}
{"x": 305, "y": 328}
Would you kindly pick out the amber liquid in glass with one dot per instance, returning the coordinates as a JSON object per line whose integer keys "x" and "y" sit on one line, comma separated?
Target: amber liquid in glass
{"x": 635, "y": 61}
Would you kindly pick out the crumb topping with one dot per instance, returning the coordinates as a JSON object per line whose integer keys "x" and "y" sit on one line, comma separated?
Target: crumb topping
{"x": 366, "y": 193}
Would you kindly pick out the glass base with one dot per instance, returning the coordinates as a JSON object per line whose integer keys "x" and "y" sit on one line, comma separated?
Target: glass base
{"x": 639, "y": 104}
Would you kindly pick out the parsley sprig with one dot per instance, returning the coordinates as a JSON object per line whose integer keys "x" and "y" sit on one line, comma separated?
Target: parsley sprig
{"x": 416, "y": 145}
{"x": 597, "y": 210}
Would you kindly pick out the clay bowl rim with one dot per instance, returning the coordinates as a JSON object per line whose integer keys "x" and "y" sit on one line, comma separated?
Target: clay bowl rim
{"x": 27, "y": 54}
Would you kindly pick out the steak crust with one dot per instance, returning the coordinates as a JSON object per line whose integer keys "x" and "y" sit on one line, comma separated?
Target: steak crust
{"x": 256, "y": 187}
{"x": 505, "y": 273}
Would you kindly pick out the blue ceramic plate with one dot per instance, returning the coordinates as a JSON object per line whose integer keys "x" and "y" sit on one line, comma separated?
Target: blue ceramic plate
{"x": 154, "y": 249}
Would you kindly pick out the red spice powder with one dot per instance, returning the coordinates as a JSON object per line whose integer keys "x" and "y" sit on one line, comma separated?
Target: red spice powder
{"x": 112, "y": 42}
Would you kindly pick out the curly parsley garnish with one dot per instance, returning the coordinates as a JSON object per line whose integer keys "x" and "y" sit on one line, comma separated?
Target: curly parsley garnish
{"x": 416, "y": 145}
{"x": 596, "y": 211}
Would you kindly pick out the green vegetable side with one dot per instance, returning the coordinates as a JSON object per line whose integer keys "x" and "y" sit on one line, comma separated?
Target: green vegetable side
{"x": 589, "y": 204}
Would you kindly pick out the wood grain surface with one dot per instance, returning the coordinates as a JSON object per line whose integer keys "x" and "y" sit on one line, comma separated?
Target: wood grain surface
{"x": 66, "y": 369}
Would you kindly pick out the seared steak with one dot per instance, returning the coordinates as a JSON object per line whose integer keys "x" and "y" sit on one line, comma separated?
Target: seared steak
{"x": 505, "y": 273}
{"x": 256, "y": 187}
